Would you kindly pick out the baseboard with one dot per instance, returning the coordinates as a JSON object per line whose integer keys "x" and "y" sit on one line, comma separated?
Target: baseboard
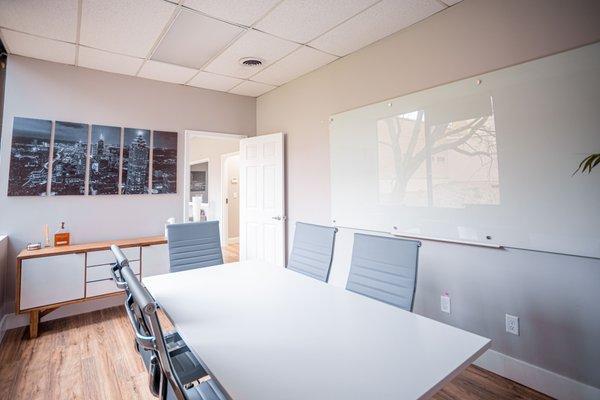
{"x": 233, "y": 240}
{"x": 542, "y": 380}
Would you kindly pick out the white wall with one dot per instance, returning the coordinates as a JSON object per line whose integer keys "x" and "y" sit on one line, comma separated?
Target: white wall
{"x": 39, "y": 89}
{"x": 233, "y": 193}
{"x": 212, "y": 149}
{"x": 555, "y": 296}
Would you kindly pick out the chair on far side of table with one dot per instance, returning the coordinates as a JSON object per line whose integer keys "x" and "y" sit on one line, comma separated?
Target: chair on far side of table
{"x": 194, "y": 245}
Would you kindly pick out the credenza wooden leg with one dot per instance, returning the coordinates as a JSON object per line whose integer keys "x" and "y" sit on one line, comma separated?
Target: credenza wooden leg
{"x": 34, "y": 321}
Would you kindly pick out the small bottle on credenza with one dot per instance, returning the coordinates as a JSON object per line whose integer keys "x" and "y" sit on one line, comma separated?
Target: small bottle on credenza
{"x": 62, "y": 237}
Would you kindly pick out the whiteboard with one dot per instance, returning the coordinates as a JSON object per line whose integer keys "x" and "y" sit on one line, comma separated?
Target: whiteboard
{"x": 486, "y": 160}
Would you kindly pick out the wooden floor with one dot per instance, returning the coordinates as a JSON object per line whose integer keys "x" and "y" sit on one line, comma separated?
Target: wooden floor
{"x": 91, "y": 356}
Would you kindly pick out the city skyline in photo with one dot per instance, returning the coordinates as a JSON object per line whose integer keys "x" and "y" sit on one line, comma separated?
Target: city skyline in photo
{"x": 96, "y": 160}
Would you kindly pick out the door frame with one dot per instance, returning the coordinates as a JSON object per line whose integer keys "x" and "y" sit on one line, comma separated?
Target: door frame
{"x": 187, "y": 135}
{"x": 224, "y": 191}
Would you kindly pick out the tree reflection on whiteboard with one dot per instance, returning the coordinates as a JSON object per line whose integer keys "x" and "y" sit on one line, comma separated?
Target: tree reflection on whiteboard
{"x": 442, "y": 156}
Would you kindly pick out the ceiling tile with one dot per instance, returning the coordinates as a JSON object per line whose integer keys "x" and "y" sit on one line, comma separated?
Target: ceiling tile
{"x": 37, "y": 47}
{"x": 451, "y": 2}
{"x": 245, "y": 12}
{"x": 166, "y": 72}
{"x": 193, "y": 39}
{"x": 302, "y": 21}
{"x": 252, "y": 44}
{"x": 249, "y": 88}
{"x": 213, "y": 81}
{"x": 110, "y": 62}
{"x": 300, "y": 62}
{"x": 124, "y": 26}
{"x": 55, "y": 19}
{"x": 377, "y": 22}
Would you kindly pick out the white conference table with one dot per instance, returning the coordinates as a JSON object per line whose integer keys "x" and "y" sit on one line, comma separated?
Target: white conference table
{"x": 268, "y": 333}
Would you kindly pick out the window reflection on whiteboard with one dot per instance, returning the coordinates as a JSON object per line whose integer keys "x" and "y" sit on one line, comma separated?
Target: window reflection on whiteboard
{"x": 441, "y": 156}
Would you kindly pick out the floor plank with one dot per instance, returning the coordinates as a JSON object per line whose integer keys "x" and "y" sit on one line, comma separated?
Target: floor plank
{"x": 91, "y": 356}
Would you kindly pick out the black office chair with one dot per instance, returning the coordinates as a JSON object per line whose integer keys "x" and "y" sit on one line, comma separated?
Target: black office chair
{"x": 174, "y": 372}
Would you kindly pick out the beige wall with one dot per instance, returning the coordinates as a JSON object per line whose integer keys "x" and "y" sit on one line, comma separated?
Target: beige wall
{"x": 471, "y": 38}
{"x": 40, "y": 89}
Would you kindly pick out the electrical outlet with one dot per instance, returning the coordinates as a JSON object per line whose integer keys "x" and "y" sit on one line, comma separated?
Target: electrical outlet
{"x": 512, "y": 324}
{"x": 445, "y": 303}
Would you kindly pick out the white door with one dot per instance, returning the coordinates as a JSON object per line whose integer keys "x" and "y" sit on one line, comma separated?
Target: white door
{"x": 262, "y": 217}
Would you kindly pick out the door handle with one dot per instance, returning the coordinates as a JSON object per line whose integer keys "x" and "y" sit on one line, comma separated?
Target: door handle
{"x": 280, "y": 218}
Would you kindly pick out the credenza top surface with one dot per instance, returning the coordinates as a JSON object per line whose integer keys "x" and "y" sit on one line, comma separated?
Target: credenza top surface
{"x": 86, "y": 247}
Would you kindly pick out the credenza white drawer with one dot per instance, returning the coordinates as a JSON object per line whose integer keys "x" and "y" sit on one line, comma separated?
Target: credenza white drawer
{"x": 102, "y": 287}
{"x": 101, "y": 272}
{"x": 103, "y": 257}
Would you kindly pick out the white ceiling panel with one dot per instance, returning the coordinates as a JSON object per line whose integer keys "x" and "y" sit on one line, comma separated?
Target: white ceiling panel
{"x": 36, "y": 47}
{"x": 166, "y": 72}
{"x": 124, "y": 26}
{"x": 213, "y": 81}
{"x": 302, "y": 21}
{"x": 110, "y": 62}
{"x": 252, "y": 44}
{"x": 253, "y": 89}
{"x": 193, "y": 39}
{"x": 377, "y": 22}
{"x": 300, "y": 62}
{"x": 55, "y": 19}
{"x": 245, "y": 12}
{"x": 451, "y": 2}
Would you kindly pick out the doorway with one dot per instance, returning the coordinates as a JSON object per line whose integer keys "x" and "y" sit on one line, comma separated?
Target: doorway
{"x": 211, "y": 181}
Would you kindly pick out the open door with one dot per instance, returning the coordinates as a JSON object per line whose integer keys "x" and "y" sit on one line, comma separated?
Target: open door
{"x": 262, "y": 199}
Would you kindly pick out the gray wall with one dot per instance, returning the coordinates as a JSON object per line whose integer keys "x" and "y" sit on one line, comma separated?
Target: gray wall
{"x": 555, "y": 296}
{"x": 41, "y": 89}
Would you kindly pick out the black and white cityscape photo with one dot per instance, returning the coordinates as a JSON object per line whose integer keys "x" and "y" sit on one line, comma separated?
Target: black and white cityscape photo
{"x": 136, "y": 161}
{"x": 29, "y": 157}
{"x": 69, "y": 158}
{"x": 105, "y": 156}
{"x": 164, "y": 162}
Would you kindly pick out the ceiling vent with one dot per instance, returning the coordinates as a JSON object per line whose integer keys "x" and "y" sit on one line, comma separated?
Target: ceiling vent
{"x": 251, "y": 62}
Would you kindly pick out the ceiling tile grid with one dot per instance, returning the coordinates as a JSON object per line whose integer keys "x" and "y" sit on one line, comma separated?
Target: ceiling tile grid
{"x": 244, "y": 12}
{"x": 38, "y": 47}
{"x": 109, "y": 62}
{"x": 194, "y": 39}
{"x": 300, "y": 62}
{"x": 253, "y": 89}
{"x": 201, "y": 43}
{"x": 302, "y": 21}
{"x": 166, "y": 72}
{"x": 213, "y": 81}
{"x": 51, "y": 19}
{"x": 129, "y": 27}
{"x": 379, "y": 21}
{"x": 253, "y": 43}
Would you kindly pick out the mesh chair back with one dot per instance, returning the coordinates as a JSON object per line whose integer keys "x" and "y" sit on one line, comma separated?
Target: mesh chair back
{"x": 384, "y": 269}
{"x": 194, "y": 245}
{"x": 312, "y": 251}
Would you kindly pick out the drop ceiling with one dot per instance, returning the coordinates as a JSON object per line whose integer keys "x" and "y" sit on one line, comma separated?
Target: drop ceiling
{"x": 200, "y": 42}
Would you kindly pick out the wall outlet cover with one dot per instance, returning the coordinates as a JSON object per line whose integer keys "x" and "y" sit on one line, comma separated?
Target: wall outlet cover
{"x": 512, "y": 324}
{"x": 445, "y": 303}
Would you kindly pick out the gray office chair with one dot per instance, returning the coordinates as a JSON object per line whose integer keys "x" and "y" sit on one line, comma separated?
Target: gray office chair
{"x": 384, "y": 269}
{"x": 165, "y": 381}
{"x": 312, "y": 251}
{"x": 194, "y": 245}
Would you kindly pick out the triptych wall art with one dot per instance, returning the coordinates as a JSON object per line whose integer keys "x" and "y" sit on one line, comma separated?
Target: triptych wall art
{"x": 67, "y": 158}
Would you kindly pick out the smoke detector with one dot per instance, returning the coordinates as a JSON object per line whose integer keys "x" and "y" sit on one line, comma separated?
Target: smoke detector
{"x": 251, "y": 62}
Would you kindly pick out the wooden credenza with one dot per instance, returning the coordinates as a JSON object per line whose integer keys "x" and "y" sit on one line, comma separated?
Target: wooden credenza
{"x": 56, "y": 276}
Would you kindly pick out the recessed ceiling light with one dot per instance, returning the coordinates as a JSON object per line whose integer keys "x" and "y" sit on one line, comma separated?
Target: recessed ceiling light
{"x": 251, "y": 61}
